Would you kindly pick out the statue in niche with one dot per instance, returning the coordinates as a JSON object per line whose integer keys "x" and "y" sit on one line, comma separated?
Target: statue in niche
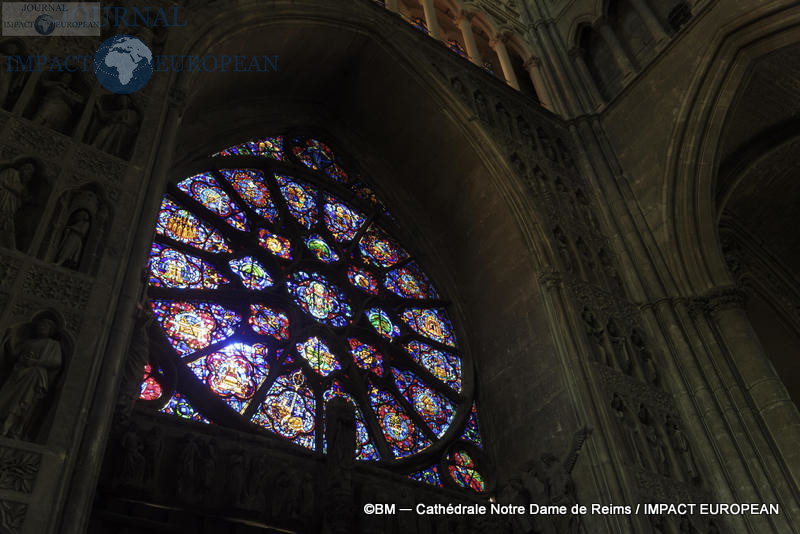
{"x": 120, "y": 123}
{"x": 654, "y": 441}
{"x": 566, "y": 155}
{"x": 138, "y": 357}
{"x": 132, "y": 465}
{"x": 596, "y": 336}
{"x": 680, "y": 443}
{"x": 563, "y": 246}
{"x": 340, "y": 435}
{"x": 547, "y": 145}
{"x": 559, "y": 487}
{"x": 15, "y": 179}
{"x": 285, "y": 494}
{"x": 58, "y": 103}
{"x": 73, "y": 240}
{"x": 629, "y": 429}
{"x": 187, "y": 470}
{"x": 645, "y": 357}
{"x": 620, "y": 345}
{"x": 459, "y": 88}
{"x": 153, "y": 445}
{"x": 611, "y": 273}
{"x": 505, "y": 120}
{"x": 586, "y": 207}
{"x": 208, "y": 459}
{"x": 525, "y": 134}
{"x": 258, "y": 474}
{"x": 305, "y": 497}
{"x": 235, "y": 476}
{"x": 10, "y": 82}
{"x": 482, "y": 108}
{"x": 587, "y": 259}
{"x": 35, "y": 358}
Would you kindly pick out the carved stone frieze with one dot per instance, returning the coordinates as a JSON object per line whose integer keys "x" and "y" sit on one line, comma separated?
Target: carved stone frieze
{"x": 37, "y": 140}
{"x": 12, "y": 516}
{"x": 635, "y": 391}
{"x": 97, "y": 165}
{"x": 604, "y": 304}
{"x": 9, "y": 269}
{"x": 51, "y": 284}
{"x": 18, "y": 469}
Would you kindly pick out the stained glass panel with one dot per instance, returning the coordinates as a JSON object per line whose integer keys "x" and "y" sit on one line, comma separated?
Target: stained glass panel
{"x": 379, "y": 249}
{"x": 269, "y": 322}
{"x": 342, "y": 221}
{"x": 382, "y": 323}
{"x": 172, "y": 268}
{"x": 254, "y": 191}
{"x": 278, "y": 245}
{"x": 410, "y": 282}
{"x": 150, "y": 389}
{"x": 402, "y": 435}
{"x": 269, "y": 147}
{"x": 443, "y": 365}
{"x": 430, "y": 323}
{"x": 179, "y": 406}
{"x": 365, "y": 449}
{"x": 365, "y": 356}
{"x": 435, "y": 410}
{"x": 300, "y": 200}
{"x": 465, "y": 474}
{"x": 191, "y": 326}
{"x": 288, "y": 409}
{"x": 205, "y": 189}
{"x": 428, "y": 476}
{"x": 419, "y": 23}
{"x": 318, "y": 355}
{"x": 472, "y": 432}
{"x": 319, "y": 298}
{"x": 456, "y": 47}
{"x": 317, "y": 155}
{"x": 233, "y": 373}
{"x": 321, "y": 249}
{"x": 181, "y": 225}
{"x": 362, "y": 279}
{"x": 252, "y": 273}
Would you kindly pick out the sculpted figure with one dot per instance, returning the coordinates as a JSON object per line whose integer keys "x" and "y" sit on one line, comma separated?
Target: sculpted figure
{"x": 14, "y": 180}
{"x": 628, "y": 426}
{"x": 681, "y": 445}
{"x": 73, "y": 240}
{"x": 37, "y": 360}
{"x": 645, "y": 358}
{"x": 620, "y": 344}
{"x": 654, "y": 441}
{"x": 57, "y": 105}
{"x": 187, "y": 470}
{"x": 10, "y": 82}
{"x": 596, "y": 336}
{"x": 119, "y": 128}
{"x": 132, "y": 469}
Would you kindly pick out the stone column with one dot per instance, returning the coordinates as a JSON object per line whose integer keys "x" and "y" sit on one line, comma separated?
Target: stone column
{"x": 534, "y": 66}
{"x": 430, "y": 19}
{"x": 620, "y": 55}
{"x": 579, "y": 56}
{"x": 464, "y": 21}
{"x": 650, "y": 20}
{"x": 498, "y": 44}
{"x": 758, "y": 377}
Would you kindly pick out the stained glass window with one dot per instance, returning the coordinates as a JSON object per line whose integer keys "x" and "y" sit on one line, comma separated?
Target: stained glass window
{"x": 279, "y": 283}
{"x": 420, "y": 24}
{"x": 456, "y": 47}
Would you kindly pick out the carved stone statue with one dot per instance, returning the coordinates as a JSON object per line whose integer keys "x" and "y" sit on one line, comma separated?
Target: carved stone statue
{"x": 73, "y": 240}
{"x": 132, "y": 465}
{"x": 58, "y": 103}
{"x": 559, "y": 487}
{"x": 645, "y": 358}
{"x": 654, "y": 441}
{"x": 235, "y": 477}
{"x": 10, "y": 82}
{"x": 187, "y": 470}
{"x": 525, "y": 134}
{"x": 15, "y": 178}
{"x": 208, "y": 460}
{"x": 119, "y": 127}
{"x": 596, "y": 336}
{"x": 563, "y": 246}
{"x": 629, "y": 428}
{"x": 587, "y": 260}
{"x": 458, "y": 87}
{"x": 505, "y": 120}
{"x": 37, "y": 360}
{"x": 680, "y": 443}
{"x": 257, "y": 478}
{"x": 153, "y": 445}
{"x": 482, "y": 108}
{"x": 138, "y": 356}
{"x": 547, "y": 144}
{"x": 612, "y": 275}
{"x": 620, "y": 345}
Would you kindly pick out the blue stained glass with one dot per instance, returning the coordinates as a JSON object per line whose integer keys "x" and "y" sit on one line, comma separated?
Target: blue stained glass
{"x": 319, "y": 356}
{"x": 321, "y": 249}
{"x": 342, "y": 221}
{"x": 191, "y": 326}
{"x": 205, "y": 189}
{"x": 410, "y": 282}
{"x": 428, "y": 476}
{"x": 402, "y": 435}
{"x": 472, "y": 432}
{"x": 300, "y": 200}
{"x": 250, "y": 185}
{"x": 172, "y": 268}
{"x": 289, "y": 410}
{"x": 431, "y": 323}
{"x": 252, "y": 273}
{"x": 443, "y": 365}
{"x": 182, "y": 225}
{"x": 319, "y": 298}
{"x": 435, "y": 410}
{"x": 181, "y": 407}
{"x": 382, "y": 323}
{"x": 379, "y": 249}
{"x": 268, "y": 147}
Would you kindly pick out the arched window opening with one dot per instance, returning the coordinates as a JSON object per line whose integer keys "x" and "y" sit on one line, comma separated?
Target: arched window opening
{"x": 278, "y": 283}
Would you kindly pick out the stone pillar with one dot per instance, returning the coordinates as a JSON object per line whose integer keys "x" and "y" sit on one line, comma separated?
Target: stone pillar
{"x": 619, "y": 53}
{"x": 498, "y": 44}
{"x": 650, "y": 20}
{"x": 579, "y": 56}
{"x": 766, "y": 390}
{"x": 534, "y": 66}
{"x": 464, "y": 21}
{"x": 430, "y": 19}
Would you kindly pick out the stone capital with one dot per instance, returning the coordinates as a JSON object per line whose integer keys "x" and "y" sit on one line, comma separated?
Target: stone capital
{"x": 531, "y": 62}
{"x": 725, "y": 299}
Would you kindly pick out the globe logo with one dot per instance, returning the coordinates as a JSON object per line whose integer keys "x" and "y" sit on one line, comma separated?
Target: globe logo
{"x": 123, "y": 64}
{"x": 44, "y": 24}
